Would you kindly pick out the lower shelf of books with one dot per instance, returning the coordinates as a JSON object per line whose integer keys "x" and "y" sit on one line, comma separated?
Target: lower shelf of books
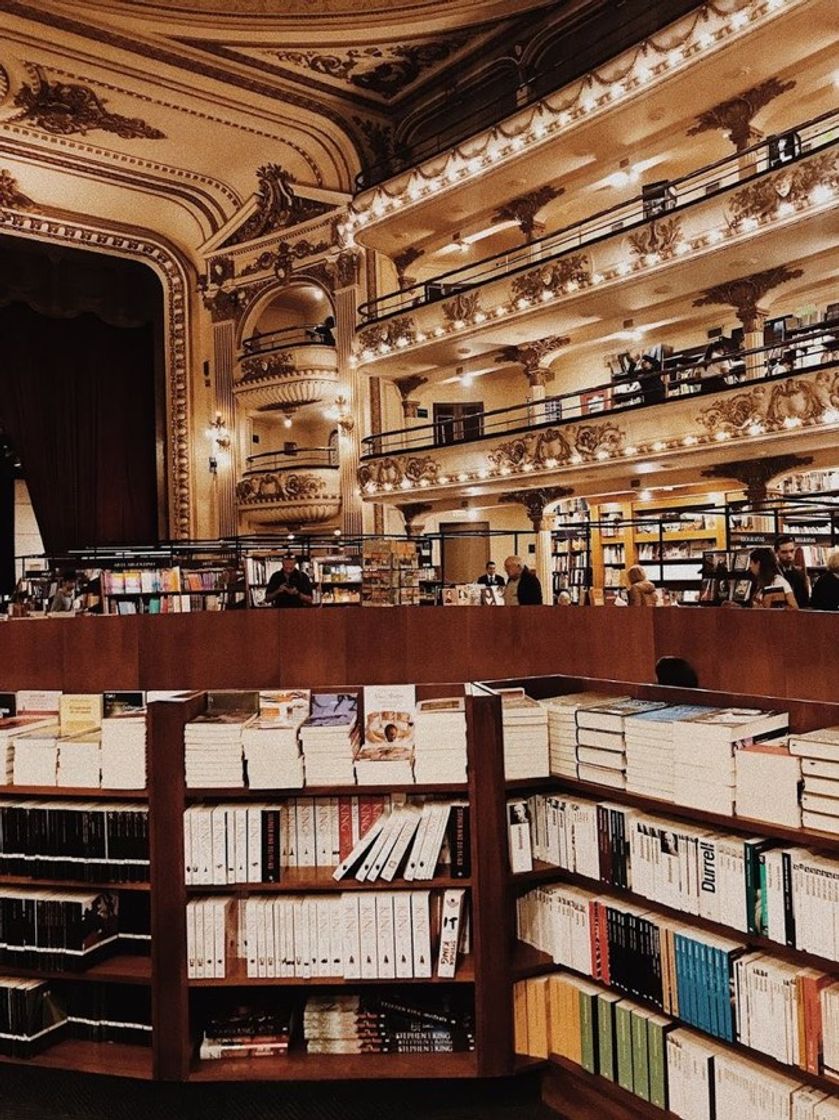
{"x": 117, "y": 1059}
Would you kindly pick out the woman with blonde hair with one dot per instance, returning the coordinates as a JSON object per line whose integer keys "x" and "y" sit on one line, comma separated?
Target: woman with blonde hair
{"x": 642, "y": 591}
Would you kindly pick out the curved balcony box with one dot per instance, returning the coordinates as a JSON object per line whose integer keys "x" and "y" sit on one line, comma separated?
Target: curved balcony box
{"x": 798, "y": 413}
{"x": 289, "y": 495}
{"x": 286, "y": 378}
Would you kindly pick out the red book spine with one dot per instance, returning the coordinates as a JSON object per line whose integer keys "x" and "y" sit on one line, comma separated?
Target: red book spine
{"x": 345, "y": 842}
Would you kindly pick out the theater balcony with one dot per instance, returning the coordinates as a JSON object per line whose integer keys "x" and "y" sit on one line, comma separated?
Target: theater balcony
{"x": 748, "y": 211}
{"x": 768, "y": 402}
{"x": 294, "y": 488}
{"x": 285, "y": 370}
{"x": 650, "y": 91}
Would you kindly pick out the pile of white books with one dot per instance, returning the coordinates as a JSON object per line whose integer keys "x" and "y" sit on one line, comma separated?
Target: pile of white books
{"x": 690, "y": 1074}
{"x": 601, "y": 743}
{"x": 36, "y": 756}
{"x": 272, "y": 752}
{"x": 384, "y": 766}
{"x": 562, "y": 727}
{"x": 705, "y": 769}
{"x": 409, "y": 840}
{"x": 651, "y": 749}
{"x": 213, "y": 749}
{"x": 124, "y": 750}
{"x": 387, "y": 755}
{"x": 525, "y": 729}
{"x": 440, "y": 741}
{"x": 819, "y": 754}
{"x": 80, "y": 760}
{"x": 768, "y": 783}
{"x": 329, "y": 738}
{"x": 744, "y": 1090}
{"x": 10, "y": 728}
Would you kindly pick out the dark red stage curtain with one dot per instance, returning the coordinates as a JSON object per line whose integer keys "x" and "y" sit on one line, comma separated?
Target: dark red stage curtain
{"x": 77, "y": 404}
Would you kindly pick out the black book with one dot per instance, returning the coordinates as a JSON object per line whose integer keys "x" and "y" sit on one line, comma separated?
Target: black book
{"x": 460, "y": 842}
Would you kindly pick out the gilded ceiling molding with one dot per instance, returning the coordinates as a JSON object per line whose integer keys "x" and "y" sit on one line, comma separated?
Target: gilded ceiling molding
{"x": 10, "y": 197}
{"x": 278, "y": 207}
{"x": 66, "y": 108}
{"x": 745, "y": 294}
{"x": 735, "y": 116}
{"x": 170, "y": 270}
{"x": 524, "y": 209}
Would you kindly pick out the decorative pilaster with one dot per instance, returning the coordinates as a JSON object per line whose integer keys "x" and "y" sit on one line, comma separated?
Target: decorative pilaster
{"x": 534, "y": 502}
{"x": 744, "y": 295}
{"x": 349, "y": 438}
{"x": 734, "y": 117}
{"x": 375, "y": 387}
{"x": 406, "y": 386}
{"x": 224, "y": 481}
{"x": 755, "y": 474}
{"x": 525, "y": 208}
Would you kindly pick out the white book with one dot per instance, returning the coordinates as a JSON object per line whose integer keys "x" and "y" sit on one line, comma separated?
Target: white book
{"x": 433, "y": 843}
{"x": 367, "y": 935}
{"x": 403, "y": 935}
{"x": 323, "y": 832}
{"x": 518, "y": 836}
{"x": 306, "y": 843}
{"x": 189, "y": 872}
{"x": 240, "y": 815}
{"x": 230, "y": 842}
{"x": 322, "y": 957}
{"x": 200, "y": 958}
{"x": 419, "y": 839}
{"x": 421, "y": 926}
{"x": 768, "y": 781}
{"x": 450, "y": 922}
{"x": 314, "y": 947}
{"x": 251, "y": 937}
{"x": 254, "y": 843}
{"x": 336, "y": 938}
{"x": 390, "y": 836}
{"x": 820, "y": 822}
{"x": 351, "y": 955}
{"x": 410, "y": 822}
{"x": 270, "y": 939}
{"x": 191, "y": 968}
{"x": 218, "y": 832}
{"x": 360, "y": 848}
{"x": 385, "y": 935}
{"x": 204, "y": 844}
{"x": 381, "y": 841}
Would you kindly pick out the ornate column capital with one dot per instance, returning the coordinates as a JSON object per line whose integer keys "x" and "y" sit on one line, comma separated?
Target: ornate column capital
{"x": 531, "y": 356}
{"x": 745, "y": 294}
{"x": 735, "y": 115}
{"x": 403, "y": 261}
{"x": 755, "y": 474}
{"x": 414, "y": 514}
{"x": 535, "y": 500}
{"x": 525, "y": 208}
{"x": 406, "y": 386}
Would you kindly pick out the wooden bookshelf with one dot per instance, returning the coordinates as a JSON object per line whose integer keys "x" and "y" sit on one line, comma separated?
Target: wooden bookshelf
{"x": 241, "y": 793}
{"x": 338, "y": 1067}
{"x": 299, "y": 879}
{"x": 579, "y": 1095}
{"x": 113, "y": 1059}
{"x": 123, "y": 968}
{"x": 94, "y": 793}
{"x": 74, "y": 884}
{"x": 238, "y": 978}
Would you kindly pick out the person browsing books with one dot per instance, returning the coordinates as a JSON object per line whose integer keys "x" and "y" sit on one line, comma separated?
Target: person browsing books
{"x": 825, "y": 595}
{"x": 769, "y": 588}
{"x": 642, "y": 591}
{"x": 491, "y": 578}
{"x": 795, "y": 576}
{"x": 523, "y": 588}
{"x": 289, "y": 587}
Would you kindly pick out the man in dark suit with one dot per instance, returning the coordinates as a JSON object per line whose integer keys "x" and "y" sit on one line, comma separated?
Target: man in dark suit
{"x": 523, "y": 587}
{"x": 491, "y": 577}
{"x": 795, "y": 577}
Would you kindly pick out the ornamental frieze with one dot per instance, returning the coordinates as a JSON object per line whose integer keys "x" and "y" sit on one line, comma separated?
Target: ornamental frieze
{"x": 389, "y": 473}
{"x": 462, "y": 308}
{"x": 565, "y": 275}
{"x": 657, "y": 238}
{"x": 762, "y": 408}
{"x": 267, "y": 366}
{"x": 385, "y": 336}
{"x": 278, "y": 206}
{"x": 762, "y": 200}
{"x": 548, "y": 449}
{"x": 278, "y": 486}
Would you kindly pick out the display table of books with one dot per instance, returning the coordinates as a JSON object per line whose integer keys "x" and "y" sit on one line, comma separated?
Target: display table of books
{"x": 632, "y": 890}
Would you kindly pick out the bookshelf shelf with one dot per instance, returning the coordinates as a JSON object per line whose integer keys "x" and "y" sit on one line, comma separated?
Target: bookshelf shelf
{"x": 239, "y": 793}
{"x": 93, "y": 794}
{"x": 303, "y": 879}
{"x": 115, "y": 1059}
{"x": 122, "y": 969}
{"x": 338, "y": 1067}
{"x": 70, "y": 884}
{"x": 239, "y": 979}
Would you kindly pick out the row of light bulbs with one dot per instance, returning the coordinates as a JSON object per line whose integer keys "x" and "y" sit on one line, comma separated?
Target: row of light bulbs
{"x": 756, "y": 428}
{"x": 460, "y": 167}
{"x": 820, "y": 194}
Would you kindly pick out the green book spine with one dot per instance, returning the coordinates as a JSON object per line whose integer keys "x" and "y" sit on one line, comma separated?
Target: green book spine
{"x": 606, "y": 1038}
{"x": 588, "y": 1031}
{"x": 623, "y": 1035}
{"x": 640, "y": 1058}
{"x": 657, "y": 1063}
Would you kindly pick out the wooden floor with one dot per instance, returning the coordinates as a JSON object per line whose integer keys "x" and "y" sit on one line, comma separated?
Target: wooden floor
{"x": 30, "y": 1094}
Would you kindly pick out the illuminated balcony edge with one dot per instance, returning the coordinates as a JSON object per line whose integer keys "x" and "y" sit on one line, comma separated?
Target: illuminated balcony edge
{"x": 306, "y": 491}
{"x": 709, "y": 30}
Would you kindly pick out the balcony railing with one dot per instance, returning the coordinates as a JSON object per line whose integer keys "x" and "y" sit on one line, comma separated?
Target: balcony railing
{"x": 303, "y": 458}
{"x": 715, "y": 179}
{"x": 306, "y": 335}
{"x": 805, "y": 351}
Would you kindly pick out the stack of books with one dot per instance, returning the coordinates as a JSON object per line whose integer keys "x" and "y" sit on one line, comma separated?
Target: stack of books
{"x": 396, "y": 1023}
{"x": 124, "y": 750}
{"x": 31, "y": 1018}
{"x": 562, "y": 727}
{"x": 387, "y": 756}
{"x": 651, "y": 749}
{"x": 525, "y": 728}
{"x": 769, "y": 783}
{"x": 213, "y": 749}
{"x": 440, "y": 741}
{"x": 819, "y": 754}
{"x": 601, "y": 742}
{"x": 705, "y": 774}
{"x": 80, "y": 760}
{"x": 36, "y": 756}
{"x": 329, "y": 738}
{"x": 247, "y": 1032}
{"x": 10, "y": 728}
{"x": 272, "y": 752}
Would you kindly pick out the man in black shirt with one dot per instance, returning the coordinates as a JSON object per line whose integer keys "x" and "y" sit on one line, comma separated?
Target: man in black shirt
{"x": 491, "y": 578}
{"x": 795, "y": 577}
{"x": 289, "y": 587}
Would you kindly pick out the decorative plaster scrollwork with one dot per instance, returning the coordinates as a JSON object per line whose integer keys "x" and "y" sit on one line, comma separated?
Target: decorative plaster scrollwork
{"x": 464, "y": 306}
{"x": 267, "y": 365}
{"x": 389, "y": 472}
{"x": 772, "y": 407}
{"x": 657, "y": 238}
{"x": 10, "y": 197}
{"x": 566, "y": 274}
{"x": 277, "y": 486}
{"x": 278, "y": 206}
{"x": 64, "y": 108}
{"x": 385, "y": 336}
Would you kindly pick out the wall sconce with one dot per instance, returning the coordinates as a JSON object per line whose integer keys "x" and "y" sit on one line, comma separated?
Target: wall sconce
{"x": 219, "y": 437}
{"x": 340, "y": 413}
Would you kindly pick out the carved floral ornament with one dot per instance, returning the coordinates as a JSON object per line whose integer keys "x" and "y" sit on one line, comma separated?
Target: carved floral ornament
{"x": 68, "y": 108}
{"x": 788, "y": 404}
{"x": 267, "y": 366}
{"x": 689, "y": 40}
{"x": 784, "y": 194}
{"x": 279, "y": 486}
{"x": 735, "y": 116}
{"x": 278, "y": 206}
